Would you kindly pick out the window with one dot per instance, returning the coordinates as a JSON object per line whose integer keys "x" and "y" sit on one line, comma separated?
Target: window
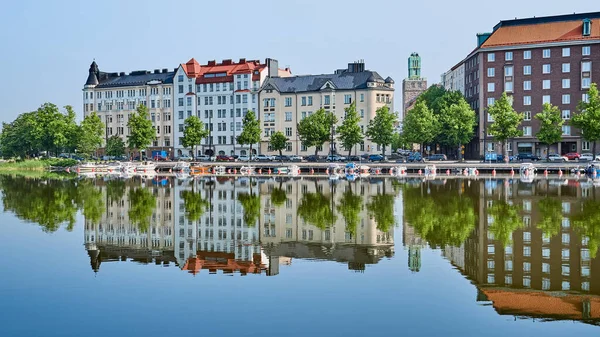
{"x": 491, "y": 57}
{"x": 566, "y": 67}
{"x": 566, "y": 130}
{"x": 566, "y": 52}
{"x": 508, "y": 86}
{"x": 585, "y": 98}
{"x": 545, "y": 99}
{"x": 491, "y": 87}
{"x": 310, "y": 100}
{"x": 508, "y": 71}
{"x": 566, "y": 99}
{"x": 491, "y": 72}
{"x": 586, "y": 82}
{"x": 526, "y": 100}
{"x": 526, "y": 70}
{"x": 491, "y": 101}
{"x": 546, "y": 69}
{"x": 566, "y": 238}
{"x": 586, "y": 66}
{"x": 288, "y": 116}
{"x": 491, "y": 249}
{"x": 180, "y": 101}
{"x": 566, "y": 114}
{"x": 546, "y": 53}
{"x": 527, "y": 85}
{"x": 288, "y": 132}
{"x": 566, "y": 83}
{"x": 303, "y": 100}
{"x": 527, "y": 115}
{"x": 288, "y": 101}
{"x": 347, "y": 99}
{"x": 585, "y": 50}
{"x": 508, "y": 56}
{"x": 527, "y": 55}
{"x": 546, "y": 84}
{"x": 526, "y": 251}
{"x": 527, "y": 131}
{"x": 490, "y": 118}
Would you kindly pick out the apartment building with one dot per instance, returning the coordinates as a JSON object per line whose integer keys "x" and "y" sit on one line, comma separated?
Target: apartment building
{"x": 285, "y": 101}
{"x": 115, "y": 97}
{"x": 535, "y": 61}
{"x": 220, "y": 94}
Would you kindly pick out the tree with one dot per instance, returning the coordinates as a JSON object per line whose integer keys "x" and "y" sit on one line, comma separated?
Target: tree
{"x": 251, "y": 205}
{"x": 193, "y": 132}
{"x": 278, "y": 196}
{"x": 587, "y": 118}
{"x": 91, "y": 132}
{"x": 420, "y": 125}
{"x": 141, "y": 133}
{"x": 17, "y": 138}
{"x": 115, "y": 146}
{"x": 194, "y": 204}
{"x": 278, "y": 142}
{"x": 551, "y": 216}
{"x": 350, "y": 206}
{"x": 315, "y": 209}
{"x": 381, "y": 208}
{"x": 315, "y": 129}
{"x": 456, "y": 124}
{"x": 381, "y": 128}
{"x": 349, "y": 132}
{"x": 506, "y": 122}
{"x": 250, "y": 134}
{"x": 141, "y": 206}
{"x": 506, "y": 220}
{"x": 551, "y": 126}
{"x": 432, "y": 97}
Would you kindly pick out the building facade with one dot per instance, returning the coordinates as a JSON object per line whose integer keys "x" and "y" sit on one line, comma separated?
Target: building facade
{"x": 220, "y": 94}
{"x": 535, "y": 61}
{"x": 115, "y": 97}
{"x": 413, "y": 85}
{"x": 285, "y": 101}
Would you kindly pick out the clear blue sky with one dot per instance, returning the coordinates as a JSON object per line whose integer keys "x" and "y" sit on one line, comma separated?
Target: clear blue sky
{"x": 49, "y": 45}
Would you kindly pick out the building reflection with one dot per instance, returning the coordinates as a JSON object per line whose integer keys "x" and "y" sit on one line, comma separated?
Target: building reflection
{"x": 245, "y": 226}
{"x": 530, "y": 253}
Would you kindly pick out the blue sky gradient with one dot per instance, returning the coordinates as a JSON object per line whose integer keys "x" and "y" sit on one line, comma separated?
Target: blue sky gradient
{"x": 48, "y": 46}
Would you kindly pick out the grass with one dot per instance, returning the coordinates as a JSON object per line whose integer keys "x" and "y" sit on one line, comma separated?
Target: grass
{"x": 35, "y": 164}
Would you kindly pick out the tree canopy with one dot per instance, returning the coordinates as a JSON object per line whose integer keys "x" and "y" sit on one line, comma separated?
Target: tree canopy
{"x": 506, "y": 121}
{"x": 193, "y": 132}
{"x": 251, "y": 130}
{"x": 315, "y": 129}
{"x": 91, "y": 134}
{"x": 381, "y": 128}
{"x": 349, "y": 132}
{"x": 456, "y": 123}
{"x": 350, "y": 206}
{"x": 141, "y": 131}
{"x": 278, "y": 142}
{"x": 420, "y": 125}
{"x": 587, "y": 118}
{"x": 115, "y": 146}
{"x": 551, "y": 123}
{"x": 315, "y": 209}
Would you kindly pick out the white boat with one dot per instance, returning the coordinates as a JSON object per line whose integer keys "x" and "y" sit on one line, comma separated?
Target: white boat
{"x": 219, "y": 170}
{"x": 114, "y": 168}
{"x": 181, "y": 166}
{"x": 471, "y": 171}
{"x": 145, "y": 167}
{"x": 86, "y": 168}
{"x": 527, "y": 172}
{"x": 364, "y": 171}
{"x": 294, "y": 170}
{"x": 334, "y": 169}
{"x": 430, "y": 170}
{"x": 128, "y": 167}
{"x": 247, "y": 170}
{"x": 398, "y": 171}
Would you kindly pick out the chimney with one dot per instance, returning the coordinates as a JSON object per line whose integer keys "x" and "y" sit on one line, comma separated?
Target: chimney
{"x": 165, "y": 70}
{"x": 481, "y": 38}
{"x": 212, "y": 63}
{"x": 227, "y": 62}
{"x": 122, "y": 73}
{"x": 273, "y": 68}
{"x": 242, "y": 61}
{"x": 356, "y": 67}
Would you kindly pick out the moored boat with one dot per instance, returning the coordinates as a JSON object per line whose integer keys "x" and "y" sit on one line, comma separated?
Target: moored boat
{"x": 146, "y": 166}
{"x": 398, "y": 171}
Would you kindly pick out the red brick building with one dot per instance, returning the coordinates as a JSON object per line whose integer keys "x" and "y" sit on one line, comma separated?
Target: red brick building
{"x": 534, "y": 60}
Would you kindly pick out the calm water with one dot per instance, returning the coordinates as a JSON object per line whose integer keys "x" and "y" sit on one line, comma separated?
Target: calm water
{"x": 299, "y": 257}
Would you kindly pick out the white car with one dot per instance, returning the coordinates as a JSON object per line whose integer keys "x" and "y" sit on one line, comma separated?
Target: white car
{"x": 586, "y": 157}
{"x": 184, "y": 157}
{"x": 263, "y": 157}
{"x": 243, "y": 158}
{"x": 557, "y": 157}
{"x": 296, "y": 158}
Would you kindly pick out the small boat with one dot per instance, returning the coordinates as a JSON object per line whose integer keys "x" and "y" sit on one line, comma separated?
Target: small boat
{"x": 593, "y": 170}
{"x": 114, "y": 168}
{"x": 398, "y": 171}
{"x": 430, "y": 170}
{"x": 527, "y": 172}
{"x": 294, "y": 170}
{"x": 181, "y": 166}
{"x": 85, "y": 168}
{"x": 128, "y": 167}
{"x": 247, "y": 170}
{"x": 198, "y": 168}
{"x": 145, "y": 167}
{"x": 470, "y": 171}
{"x": 350, "y": 169}
{"x": 219, "y": 170}
{"x": 334, "y": 169}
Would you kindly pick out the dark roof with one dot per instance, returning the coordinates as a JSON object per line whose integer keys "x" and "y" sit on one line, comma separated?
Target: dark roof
{"x": 340, "y": 81}
{"x": 547, "y": 19}
{"x": 110, "y": 80}
{"x": 92, "y": 79}
{"x": 389, "y": 80}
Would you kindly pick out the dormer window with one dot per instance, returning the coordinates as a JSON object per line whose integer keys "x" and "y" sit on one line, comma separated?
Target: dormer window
{"x": 587, "y": 27}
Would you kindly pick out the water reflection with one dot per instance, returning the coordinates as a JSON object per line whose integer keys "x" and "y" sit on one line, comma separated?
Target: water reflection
{"x": 530, "y": 248}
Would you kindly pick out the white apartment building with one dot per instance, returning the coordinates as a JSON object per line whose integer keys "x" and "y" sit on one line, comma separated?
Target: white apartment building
{"x": 115, "y": 96}
{"x": 285, "y": 101}
{"x": 454, "y": 79}
{"x": 220, "y": 94}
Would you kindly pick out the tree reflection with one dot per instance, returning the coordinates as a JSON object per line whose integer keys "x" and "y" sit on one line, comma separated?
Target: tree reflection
{"x": 315, "y": 209}
{"x": 550, "y": 210}
{"x": 278, "y": 196}
{"x": 194, "y": 204}
{"x": 115, "y": 190}
{"x": 587, "y": 223}
{"x": 349, "y": 207}
{"x": 381, "y": 208}
{"x": 505, "y": 220}
{"x": 141, "y": 206}
{"x": 89, "y": 199}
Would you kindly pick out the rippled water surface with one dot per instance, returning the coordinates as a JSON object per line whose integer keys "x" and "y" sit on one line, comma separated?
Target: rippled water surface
{"x": 299, "y": 257}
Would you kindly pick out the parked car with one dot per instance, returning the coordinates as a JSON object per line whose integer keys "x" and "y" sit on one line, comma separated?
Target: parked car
{"x": 527, "y": 156}
{"x": 263, "y": 157}
{"x": 376, "y": 157}
{"x": 281, "y": 158}
{"x": 225, "y": 158}
{"x": 204, "y": 157}
{"x": 586, "y": 157}
{"x": 243, "y": 158}
{"x": 556, "y": 157}
{"x": 296, "y": 158}
{"x": 573, "y": 156}
{"x": 415, "y": 157}
{"x": 312, "y": 158}
{"x": 354, "y": 158}
{"x": 184, "y": 157}
{"x": 437, "y": 157}
{"x": 335, "y": 157}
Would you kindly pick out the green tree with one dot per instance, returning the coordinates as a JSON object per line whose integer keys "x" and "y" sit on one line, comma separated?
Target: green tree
{"x": 381, "y": 128}
{"x": 251, "y": 205}
{"x": 349, "y": 132}
{"x": 506, "y": 220}
{"x": 278, "y": 195}
{"x": 278, "y": 142}
{"x": 506, "y": 122}
{"x": 550, "y": 210}
{"x": 315, "y": 209}
{"x": 141, "y": 133}
{"x": 434, "y": 98}
{"x": 18, "y": 138}
{"x": 420, "y": 125}
{"x": 587, "y": 118}
{"x": 456, "y": 124}
{"x": 349, "y": 207}
{"x": 551, "y": 123}
{"x": 89, "y": 199}
{"x": 141, "y": 206}
{"x": 315, "y": 129}
{"x": 193, "y": 133}
{"x": 91, "y": 132}
{"x": 194, "y": 204}
{"x": 250, "y": 134}
{"x": 115, "y": 190}
{"x": 115, "y": 146}
{"x": 381, "y": 208}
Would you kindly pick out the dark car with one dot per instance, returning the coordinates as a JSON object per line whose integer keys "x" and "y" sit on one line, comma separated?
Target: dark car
{"x": 415, "y": 157}
{"x": 527, "y": 156}
{"x": 376, "y": 157}
{"x": 282, "y": 158}
{"x": 437, "y": 157}
{"x": 312, "y": 158}
{"x": 225, "y": 158}
{"x": 354, "y": 158}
